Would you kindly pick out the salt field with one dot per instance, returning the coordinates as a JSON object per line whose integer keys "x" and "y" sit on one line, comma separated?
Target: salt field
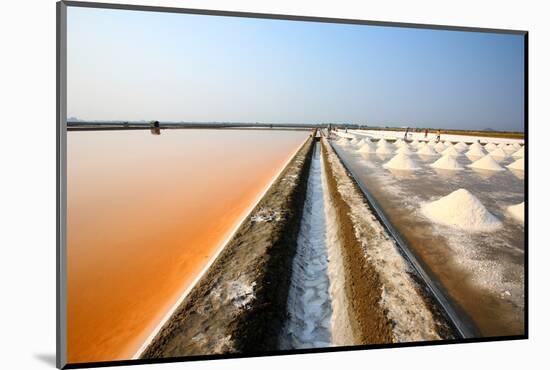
{"x": 461, "y": 212}
{"x": 146, "y": 213}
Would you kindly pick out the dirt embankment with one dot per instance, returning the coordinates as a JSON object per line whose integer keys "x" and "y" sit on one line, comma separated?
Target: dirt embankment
{"x": 386, "y": 301}
{"x": 239, "y": 306}
{"x": 362, "y": 284}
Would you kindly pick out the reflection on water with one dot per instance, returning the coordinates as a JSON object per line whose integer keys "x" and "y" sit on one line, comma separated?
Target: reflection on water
{"x": 145, "y": 214}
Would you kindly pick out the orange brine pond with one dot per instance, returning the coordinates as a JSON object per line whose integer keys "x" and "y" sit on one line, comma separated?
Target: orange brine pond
{"x": 146, "y": 213}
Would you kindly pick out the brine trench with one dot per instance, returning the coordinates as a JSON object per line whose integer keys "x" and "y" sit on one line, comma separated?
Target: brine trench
{"x": 310, "y": 304}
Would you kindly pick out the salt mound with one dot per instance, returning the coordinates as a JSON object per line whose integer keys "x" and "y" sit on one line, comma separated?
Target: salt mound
{"x": 490, "y": 147}
{"x": 354, "y": 141}
{"x": 476, "y": 145}
{"x": 366, "y": 148}
{"x": 427, "y": 150}
{"x": 501, "y": 146}
{"x": 384, "y": 149}
{"x": 404, "y": 149}
{"x": 517, "y": 211}
{"x": 510, "y": 149}
{"x": 487, "y": 163}
{"x": 462, "y": 210}
{"x": 520, "y": 153}
{"x": 448, "y": 143}
{"x": 415, "y": 143}
{"x": 476, "y": 151}
{"x": 382, "y": 142}
{"x": 440, "y": 147}
{"x": 451, "y": 151}
{"x": 366, "y": 139}
{"x": 447, "y": 162}
{"x": 431, "y": 142}
{"x": 516, "y": 145}
{"x": 344, "y": 142}
{"x": 517, "y": 165}
{"x": 399, "y": 142}
{"x": 498, "y": 153}
{"x": 401, "y": 162}
{"x": 461, "y": 146}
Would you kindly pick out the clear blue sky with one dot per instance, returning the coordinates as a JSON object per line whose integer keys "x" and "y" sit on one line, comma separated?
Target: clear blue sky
{"x": 131, "y": 65}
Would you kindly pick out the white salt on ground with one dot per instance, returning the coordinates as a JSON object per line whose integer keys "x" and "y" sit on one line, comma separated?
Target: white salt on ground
{"x": 517, "y": 165}
{"x": 486, "y": 163}
{"x": 460, "y": 146}
{"x": 440, "y": 147}
{"x": 498, "y": 153}
{"x": 447, "y": 162}
{"x": 367, "y": 148}
{"x": 520, "y": 153}
{"x": 517, "y": 211}
{"x": 427, "y": 150}
{"x": 462, "y": 210}
{"x": 384, "y": 149}
{"x": 401, "y": 162}
{"x": 490, "y": 147}
{"x": 404, "y": 149}
{"x": 451, "y": 151}
{"x": 475, "y": 152}
{"x": 476, "y": 146}
{"x": 382, "y": 142}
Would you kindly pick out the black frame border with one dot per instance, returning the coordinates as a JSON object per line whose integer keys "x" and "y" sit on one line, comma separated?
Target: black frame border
{"x": 61, "y": 189}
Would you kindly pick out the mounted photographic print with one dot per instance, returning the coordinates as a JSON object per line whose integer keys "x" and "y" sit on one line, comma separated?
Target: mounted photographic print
{"x": 235, "y": 184}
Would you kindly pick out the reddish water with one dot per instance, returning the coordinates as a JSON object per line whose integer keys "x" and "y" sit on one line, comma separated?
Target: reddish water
{"x": 145, "y": 214}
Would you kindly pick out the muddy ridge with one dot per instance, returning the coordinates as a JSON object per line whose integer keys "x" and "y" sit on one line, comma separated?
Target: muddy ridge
{"x": 239, "y": 305}
{"x": 362, "y": 284}
{"x": 404, "y": 301}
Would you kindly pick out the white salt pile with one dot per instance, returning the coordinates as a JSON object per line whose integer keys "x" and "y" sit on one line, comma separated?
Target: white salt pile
{"x": 462, "y": 210}
{"x": 516, "y": 145}
{"x": 366, "y": 139}
{"x": 520, "y": 153}
{"x": 498, "y": 154}
{"x": 421, "y": 145}
{"x": 382, "y": 142}
{"x": 490, "y": 147}
{"x": 399, "y": 142}
{"x": 440, "y": 147}
{"x": 517, "y": 165}
{"x": 476, "y": 151}
{"x": 354, "y": 141}
{"x": 509, "y": 149}
{"x": 447, "y": 162}
{"x": 401, "y": 162}
{"x": 476, "y": 145}
{"x": 415, "y": 143}
{"x": 501, "y": 146}
{"x": 427, "y": 150}
{"x": 404, "y": 149}
{"x": 448, "y": 143}
{"x": 344, "y": 142}
{"x": 517, "y": 211}
{"x": 431, "y": 142}
{"x": 451, "y": 151}
{"x": 460, "y": 146}
{"x": 367, "y": 148}
{"x": 384, "y": 149}
{"x": 486, "y": 163}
